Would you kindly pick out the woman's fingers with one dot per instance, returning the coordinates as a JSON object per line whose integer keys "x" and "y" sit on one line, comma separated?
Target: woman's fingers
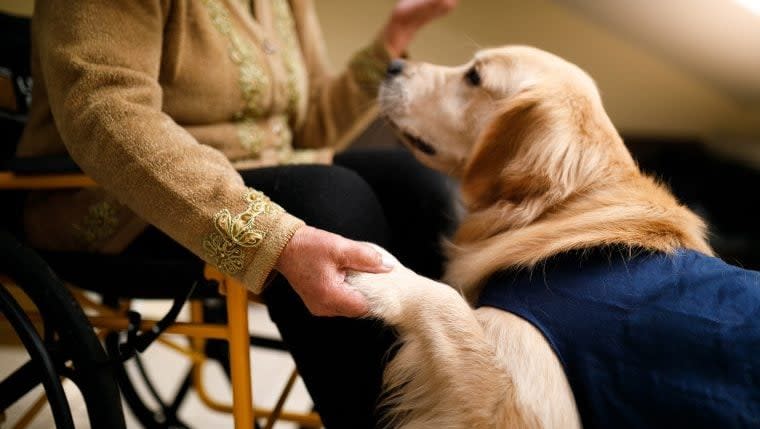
{"x": 362, "y": 257}
{"x": 315, "y": 263}
{"x": 348, "y": 302}
{"x": 331, "y": 297}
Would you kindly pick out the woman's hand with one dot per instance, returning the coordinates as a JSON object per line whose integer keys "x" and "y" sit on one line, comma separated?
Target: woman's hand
{"x": 407, "y": 18}
{"x": 315, "y": 263}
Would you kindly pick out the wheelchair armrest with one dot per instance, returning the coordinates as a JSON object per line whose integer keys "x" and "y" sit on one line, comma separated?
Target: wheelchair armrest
{"x": 41, "y": 165}
{"x": 42, "y": 172}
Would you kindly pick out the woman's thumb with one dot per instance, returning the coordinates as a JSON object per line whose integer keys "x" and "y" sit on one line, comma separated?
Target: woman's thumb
{"x": 363, "y": 257}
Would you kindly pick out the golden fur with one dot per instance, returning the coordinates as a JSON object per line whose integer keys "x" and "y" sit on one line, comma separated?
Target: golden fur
{"x": 542, "y": 171}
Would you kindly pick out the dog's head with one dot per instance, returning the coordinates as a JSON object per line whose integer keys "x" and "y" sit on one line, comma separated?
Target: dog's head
{"x": 514, "y": 123}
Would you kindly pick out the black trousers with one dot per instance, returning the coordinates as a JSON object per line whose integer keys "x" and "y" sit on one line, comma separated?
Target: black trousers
{"x": 379, "y": 195}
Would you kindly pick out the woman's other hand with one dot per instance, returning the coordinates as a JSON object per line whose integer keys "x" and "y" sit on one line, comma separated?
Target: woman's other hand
{"x": 315, "y": 263}
{"x": 407, "y": 18}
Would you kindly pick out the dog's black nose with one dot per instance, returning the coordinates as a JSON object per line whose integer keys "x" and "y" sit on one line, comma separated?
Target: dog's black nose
{"x": 395, "y": 68}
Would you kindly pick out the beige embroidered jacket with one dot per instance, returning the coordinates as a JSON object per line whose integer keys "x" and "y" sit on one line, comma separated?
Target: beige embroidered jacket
{"x": 160, "y": 101}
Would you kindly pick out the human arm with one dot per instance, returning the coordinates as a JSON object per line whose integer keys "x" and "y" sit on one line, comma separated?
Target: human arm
{"x": 100, "y": 65}
{"x": 339, "y": 104}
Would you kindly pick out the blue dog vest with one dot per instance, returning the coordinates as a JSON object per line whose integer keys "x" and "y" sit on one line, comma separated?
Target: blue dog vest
{"x": 646, "y": 341}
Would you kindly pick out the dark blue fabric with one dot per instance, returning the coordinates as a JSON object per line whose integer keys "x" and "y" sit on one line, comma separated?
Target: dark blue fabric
{"x": 646, "y": 341}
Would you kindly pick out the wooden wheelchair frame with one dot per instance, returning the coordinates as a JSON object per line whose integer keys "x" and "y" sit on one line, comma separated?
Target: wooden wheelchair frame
{"x": 106, "y": 319}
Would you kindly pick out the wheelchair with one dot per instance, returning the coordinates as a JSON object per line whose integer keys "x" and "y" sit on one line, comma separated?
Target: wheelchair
{"x": 72, "y": 314}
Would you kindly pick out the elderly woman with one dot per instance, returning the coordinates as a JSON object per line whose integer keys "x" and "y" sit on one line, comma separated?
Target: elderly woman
{"x": 189, "y": 115}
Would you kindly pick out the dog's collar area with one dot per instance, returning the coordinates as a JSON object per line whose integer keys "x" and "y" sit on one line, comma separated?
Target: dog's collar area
{"x": 420, "y": 144}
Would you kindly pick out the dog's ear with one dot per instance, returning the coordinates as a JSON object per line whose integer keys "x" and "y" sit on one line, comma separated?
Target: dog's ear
{"x": 493, "y": 171}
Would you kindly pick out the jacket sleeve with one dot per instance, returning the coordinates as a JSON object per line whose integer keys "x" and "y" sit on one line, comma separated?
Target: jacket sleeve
{"x": 340, "y": 105}
{"x": 100, "y": 62}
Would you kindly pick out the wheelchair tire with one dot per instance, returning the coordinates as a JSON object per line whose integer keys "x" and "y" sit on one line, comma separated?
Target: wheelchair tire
{"x": 69, "y": 340}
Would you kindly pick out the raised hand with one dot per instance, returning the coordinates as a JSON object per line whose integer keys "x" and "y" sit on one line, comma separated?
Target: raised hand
{"x": 408, "y": 17}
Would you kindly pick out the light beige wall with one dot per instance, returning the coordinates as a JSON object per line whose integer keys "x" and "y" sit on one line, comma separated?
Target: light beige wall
{"x": 18, "y": 7}
{"x": 643, "y": 93}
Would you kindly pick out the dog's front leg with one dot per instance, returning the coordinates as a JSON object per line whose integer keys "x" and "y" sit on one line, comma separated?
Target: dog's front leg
{"x": 445, "y": 374}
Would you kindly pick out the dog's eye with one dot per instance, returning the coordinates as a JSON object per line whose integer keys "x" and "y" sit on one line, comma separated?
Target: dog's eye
{"x": 472, "y": 76}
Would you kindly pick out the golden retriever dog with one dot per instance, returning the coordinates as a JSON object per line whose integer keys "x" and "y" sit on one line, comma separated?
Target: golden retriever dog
{"x": 543, "y": 172}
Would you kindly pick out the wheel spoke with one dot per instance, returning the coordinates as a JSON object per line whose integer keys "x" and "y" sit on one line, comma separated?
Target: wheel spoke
{"x": 36, "y": 349}
{"x": 18, "y": 384}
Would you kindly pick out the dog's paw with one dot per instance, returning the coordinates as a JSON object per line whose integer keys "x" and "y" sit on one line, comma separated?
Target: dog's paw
{"x": 396, "y": 296}
{"x": 388, "y": 294}
{"x": 384, "y": 293}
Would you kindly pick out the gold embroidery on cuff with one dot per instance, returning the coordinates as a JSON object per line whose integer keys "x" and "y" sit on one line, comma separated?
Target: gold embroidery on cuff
{"x": 225, "y": 246}
{"x": 227, "y": 256}
{"x": 253, "y": 80}
{"x": 98, "y": 224}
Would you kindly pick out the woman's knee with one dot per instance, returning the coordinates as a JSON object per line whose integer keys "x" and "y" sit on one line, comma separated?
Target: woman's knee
{"x": 402, "y": 184}
{"x": 418, "y": 204}
{"x": 332, "y": 198}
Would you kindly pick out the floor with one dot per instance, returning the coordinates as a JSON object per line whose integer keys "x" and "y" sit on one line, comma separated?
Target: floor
{"x": 270, "y": 372}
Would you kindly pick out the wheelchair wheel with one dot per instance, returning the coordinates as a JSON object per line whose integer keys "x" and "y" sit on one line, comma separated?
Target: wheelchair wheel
{"x": 68, "y": 346}
{"x": 162, "y": 416}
